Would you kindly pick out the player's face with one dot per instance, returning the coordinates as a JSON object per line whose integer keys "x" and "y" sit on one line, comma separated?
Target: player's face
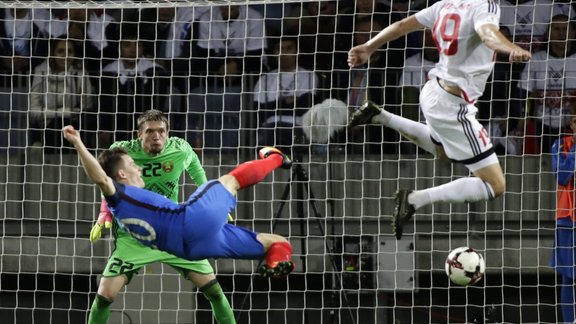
{"x": 133, "y": 172}
{"x": 153, "y": 136}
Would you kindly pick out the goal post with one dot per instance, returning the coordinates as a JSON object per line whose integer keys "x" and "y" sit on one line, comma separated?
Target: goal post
{"x": 233, "y": 76}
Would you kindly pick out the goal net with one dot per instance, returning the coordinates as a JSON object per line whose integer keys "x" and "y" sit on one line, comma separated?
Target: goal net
{"x": 235, "y": 76}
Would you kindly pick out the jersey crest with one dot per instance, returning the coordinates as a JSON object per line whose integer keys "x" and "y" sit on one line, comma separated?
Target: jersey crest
{"x": 168, "y": 166}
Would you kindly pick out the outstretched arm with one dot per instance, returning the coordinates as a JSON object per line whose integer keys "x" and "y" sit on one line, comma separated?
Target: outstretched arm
{"x": 494, "y": 39}
{"x": 89, "y": 162}
{"x": 360, "y": 54}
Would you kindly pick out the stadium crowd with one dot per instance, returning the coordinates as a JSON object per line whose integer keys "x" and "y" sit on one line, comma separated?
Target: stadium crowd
{"x": 217, "y": 70}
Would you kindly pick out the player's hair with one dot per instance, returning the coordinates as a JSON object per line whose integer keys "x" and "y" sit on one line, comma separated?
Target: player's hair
{"x": 152, "y": 115}
{"x": 110, "y": 160}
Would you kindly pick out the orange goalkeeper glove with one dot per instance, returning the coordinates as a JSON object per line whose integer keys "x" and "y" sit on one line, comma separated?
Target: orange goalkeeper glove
{"x": 104, "y": 220}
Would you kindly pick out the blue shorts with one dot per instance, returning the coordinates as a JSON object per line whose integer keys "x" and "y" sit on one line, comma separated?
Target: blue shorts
{"x": 564, "y": 252}
{"x": 207, "y": 232}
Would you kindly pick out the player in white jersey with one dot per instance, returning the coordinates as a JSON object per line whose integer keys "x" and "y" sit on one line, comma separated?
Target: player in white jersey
{"x": 467, "y": 35}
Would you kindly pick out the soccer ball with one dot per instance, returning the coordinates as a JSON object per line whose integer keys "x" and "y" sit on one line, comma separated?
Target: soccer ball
{"x": 465, "y": 266}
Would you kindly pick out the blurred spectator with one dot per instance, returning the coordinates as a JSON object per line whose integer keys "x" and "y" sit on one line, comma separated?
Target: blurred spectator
{"x": 131, "y": 61}
{"x": 501, "y": 88}
{"x": 414, "y": 76}
{"x": 283, "y": 95}
{"x": 505, "y": 142}
{"x": 315, "y": 22}
{"x": 274, "y": 14}
{"x": 550, "y": 81}
{"x": 60, "y": 93}
{"x": 164, "y": 31}
{"x": 74, "y": 24}
{"x": 501, "y": 105}
{"x": 56, "y": 24}
{"x": 93, "y": 32}
{"x": 360, "y": 10}
{"x": 527, "y": 20}
{"x": 99, "y": 29}
{"x": 374, "y": 82}
{"x": 397, "y": 50}
{"x": 227, "y": 43}
{"x": 23, "y": 43}
{"x": 96, "y": 33}
{"x": 129, "y": 86}
{"x": 160, "y": 34}
{"x": 407, "y": 6}
{"x": 364, "y": 81}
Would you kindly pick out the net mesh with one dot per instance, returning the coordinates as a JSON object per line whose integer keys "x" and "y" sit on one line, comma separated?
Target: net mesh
{"x": 233, "y": 77}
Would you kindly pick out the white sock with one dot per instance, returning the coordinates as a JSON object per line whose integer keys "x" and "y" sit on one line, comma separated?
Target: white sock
{"x": 414, "y": 131}
{"x": 462, "y": 190}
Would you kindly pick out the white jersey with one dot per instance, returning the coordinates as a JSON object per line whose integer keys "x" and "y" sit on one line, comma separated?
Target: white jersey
{"x": 464, "y": 60}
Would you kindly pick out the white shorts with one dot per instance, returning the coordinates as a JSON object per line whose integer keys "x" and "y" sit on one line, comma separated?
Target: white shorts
{"x": 452, "y": 123}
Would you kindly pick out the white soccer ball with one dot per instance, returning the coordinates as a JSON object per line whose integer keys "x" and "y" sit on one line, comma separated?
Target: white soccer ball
{"x": 465, "y": 266}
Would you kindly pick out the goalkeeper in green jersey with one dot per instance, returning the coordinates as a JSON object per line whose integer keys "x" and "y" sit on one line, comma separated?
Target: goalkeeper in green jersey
{"x": 163, "y": 159}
